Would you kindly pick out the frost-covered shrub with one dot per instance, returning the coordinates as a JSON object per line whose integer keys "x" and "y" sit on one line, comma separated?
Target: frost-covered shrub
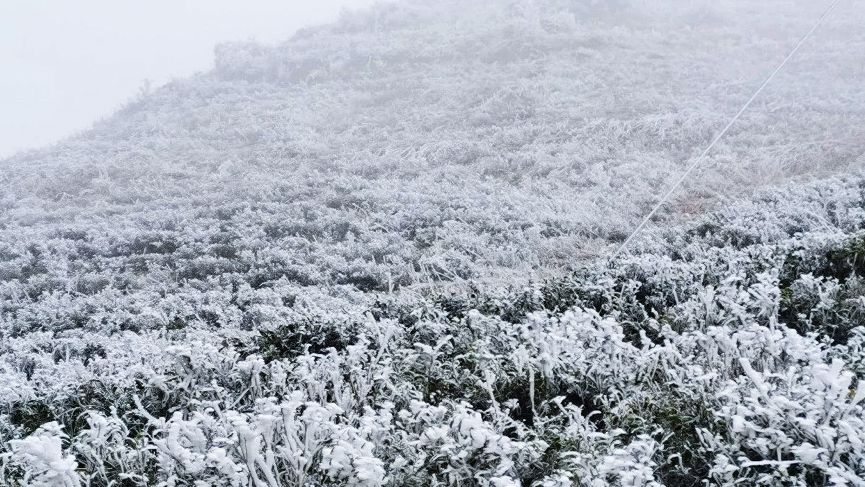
{"x": 42, "y": 459}
{"x": 715, "y": 365}
{"x": 236, "y": 279}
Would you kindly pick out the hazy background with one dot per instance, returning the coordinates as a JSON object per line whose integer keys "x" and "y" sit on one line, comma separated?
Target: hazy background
{"x": 66, "y": 64}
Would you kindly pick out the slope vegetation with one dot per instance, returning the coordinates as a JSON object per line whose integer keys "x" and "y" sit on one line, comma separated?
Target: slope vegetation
{"x": 727, "y": 351}
{"x": 236, "y": 280}
{"x": 455, "y": 140}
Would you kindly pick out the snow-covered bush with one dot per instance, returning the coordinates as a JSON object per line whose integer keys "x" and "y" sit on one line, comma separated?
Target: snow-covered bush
{"x": 236, "y": 280}
{"x": 42, "y": 459}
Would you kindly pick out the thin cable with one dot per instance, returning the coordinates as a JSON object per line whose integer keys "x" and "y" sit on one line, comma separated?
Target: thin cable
{"x": 723, "y": 132}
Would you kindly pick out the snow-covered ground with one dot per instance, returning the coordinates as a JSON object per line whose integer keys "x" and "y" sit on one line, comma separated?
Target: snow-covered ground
{"x": 374, "y": 255}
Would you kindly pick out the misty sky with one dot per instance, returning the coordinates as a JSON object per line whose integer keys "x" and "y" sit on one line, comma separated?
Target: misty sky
{"x": 68, "y": 63}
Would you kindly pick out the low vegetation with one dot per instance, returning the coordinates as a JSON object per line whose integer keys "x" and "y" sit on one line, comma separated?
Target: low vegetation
{"x": 368, "y": 257}
{"x": 727, "y": 351}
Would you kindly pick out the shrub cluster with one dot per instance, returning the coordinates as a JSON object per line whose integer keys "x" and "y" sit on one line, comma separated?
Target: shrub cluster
{"x": 234, "y": 280}
{"x": 728, "y": 351}
{"x": 441, "y": 141}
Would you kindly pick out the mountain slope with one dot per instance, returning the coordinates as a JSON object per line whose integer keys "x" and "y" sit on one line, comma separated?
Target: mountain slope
{"x": 472, "y": 139}
{"x": 716, "y": 349}
{"x": 238, "y": 278}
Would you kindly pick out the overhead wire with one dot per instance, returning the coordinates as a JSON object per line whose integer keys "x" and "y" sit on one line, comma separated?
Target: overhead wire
{"x": 723, "y": 132}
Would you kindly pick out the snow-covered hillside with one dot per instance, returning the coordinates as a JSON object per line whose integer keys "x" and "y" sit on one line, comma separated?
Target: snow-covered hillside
{"x": 451, "y": 140}
{"x": 245, "y": 277}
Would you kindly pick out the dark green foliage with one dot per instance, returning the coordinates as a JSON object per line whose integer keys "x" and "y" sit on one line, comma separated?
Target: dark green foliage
{"x": 145, "y": 244}
{"x": 847, "y": 260}
{"x": 7, "y": 254}
{"x": 290, "y": 341}
{"x": 176, "y": 324}
{"x": 30, "y": 415}
{"x": 86, "y": 353}
{"x": 363, "y": 282}
{"x": 36, "y": 265}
